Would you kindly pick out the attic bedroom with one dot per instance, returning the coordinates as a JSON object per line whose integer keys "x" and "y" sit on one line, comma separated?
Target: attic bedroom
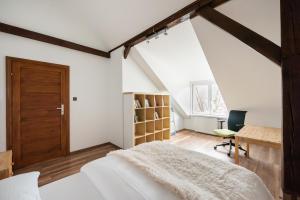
{"x": 173, "y": 99}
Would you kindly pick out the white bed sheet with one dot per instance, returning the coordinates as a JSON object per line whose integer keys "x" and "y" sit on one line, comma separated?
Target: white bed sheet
{"x": 75, "y": 187}
{"x": 108, "y": 178}
{"x": 117, "y": 179}
{"x": 111, "y": 178}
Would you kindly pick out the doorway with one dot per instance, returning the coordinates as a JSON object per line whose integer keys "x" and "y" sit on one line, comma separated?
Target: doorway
{"x": 37, "y": 109}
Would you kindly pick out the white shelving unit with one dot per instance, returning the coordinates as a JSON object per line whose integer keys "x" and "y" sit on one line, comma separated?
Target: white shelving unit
{"x": 146, "y": 128}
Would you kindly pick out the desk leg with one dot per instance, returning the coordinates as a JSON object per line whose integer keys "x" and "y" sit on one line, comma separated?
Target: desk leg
{"x": 248, "y": 150}
{"x": 236, "y": 153}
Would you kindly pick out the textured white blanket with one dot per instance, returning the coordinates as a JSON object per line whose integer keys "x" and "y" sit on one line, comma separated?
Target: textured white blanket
{"x": 193, "y": 175}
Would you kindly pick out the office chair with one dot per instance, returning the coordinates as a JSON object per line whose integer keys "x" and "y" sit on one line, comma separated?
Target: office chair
{"x": 235, "y": 122}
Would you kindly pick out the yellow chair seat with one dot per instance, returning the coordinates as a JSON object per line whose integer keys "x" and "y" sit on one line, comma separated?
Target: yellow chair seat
{"x": 224, "y": 133}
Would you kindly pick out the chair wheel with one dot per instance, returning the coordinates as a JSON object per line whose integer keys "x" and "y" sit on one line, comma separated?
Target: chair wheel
{"x": 215, "y": 147}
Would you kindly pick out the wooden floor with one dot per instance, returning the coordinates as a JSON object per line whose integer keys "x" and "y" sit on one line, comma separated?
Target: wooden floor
{"x": 59, "y": 168}
{"x": 265, "y": 162}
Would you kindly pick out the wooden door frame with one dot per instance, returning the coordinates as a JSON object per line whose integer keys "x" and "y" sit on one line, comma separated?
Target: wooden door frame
{"x": 9, "y": 99}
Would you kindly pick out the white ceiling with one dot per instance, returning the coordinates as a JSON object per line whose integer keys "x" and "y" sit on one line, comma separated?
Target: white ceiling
{"x": 102, "y": 24}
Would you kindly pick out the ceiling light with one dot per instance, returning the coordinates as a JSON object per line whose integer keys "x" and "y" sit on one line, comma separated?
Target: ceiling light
{"x": 185, "y": 17}
{"x": 165, "y": 33}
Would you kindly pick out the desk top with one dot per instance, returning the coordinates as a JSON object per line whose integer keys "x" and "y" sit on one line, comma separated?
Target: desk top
{"x": 258, "y": 134}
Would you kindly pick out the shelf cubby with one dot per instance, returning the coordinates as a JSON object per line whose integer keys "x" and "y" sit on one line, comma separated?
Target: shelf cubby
{"x": 158, "y": 100}
{"x": 150, "y": 114}
{"x": 158, "y": 125}
{"x": 150, "y": 138}
{"x": 166, "y": 123}
{"x": 140, "y": 140}
{"x": 140, "y": 129}
{"x": 159, "y": 136}
{"x": 141, "y": 115}
{"x": 151, "y": 100}
{"x": 140, "y": 98}
{"x": 166, "y": 100}
{"x": 160, "y": 112}
{"x": 150, "y": 127}
{"x": 166, "y": 134}
{"x": 166, "y": 112}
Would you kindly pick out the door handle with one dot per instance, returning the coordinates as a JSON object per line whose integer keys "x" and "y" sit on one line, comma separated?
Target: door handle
{"x": 62, "y": 109}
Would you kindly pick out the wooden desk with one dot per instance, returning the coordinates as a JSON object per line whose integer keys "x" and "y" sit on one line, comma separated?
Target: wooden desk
{"x": 6, "y": 164}
{"x": 270, "y": 137}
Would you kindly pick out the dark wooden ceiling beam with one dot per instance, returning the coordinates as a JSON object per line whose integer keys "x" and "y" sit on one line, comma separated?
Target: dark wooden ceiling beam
{"x": 244, "y": 34}
{"x": 166, "y": 23}
{"x": 126, "y": 51}
{"x": 51, "y": 40}
{"x": 216, "y": 3}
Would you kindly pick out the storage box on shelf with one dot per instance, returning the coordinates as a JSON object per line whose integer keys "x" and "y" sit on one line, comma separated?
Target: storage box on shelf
{"x": 146, "y": 118}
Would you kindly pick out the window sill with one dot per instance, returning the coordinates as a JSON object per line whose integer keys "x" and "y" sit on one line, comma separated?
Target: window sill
{"x": 209, "y": 116}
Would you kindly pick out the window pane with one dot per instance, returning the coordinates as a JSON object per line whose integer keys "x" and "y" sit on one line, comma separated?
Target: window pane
{"x": 200, "y": 99}
{"x": 218, "y": 106}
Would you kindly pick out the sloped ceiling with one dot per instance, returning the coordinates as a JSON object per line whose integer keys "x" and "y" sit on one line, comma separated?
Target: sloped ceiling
{"x": 177, "y": 59}
{"x": 262, "y": 16}
{"x": 247, "y": 80}
{"x": 102, "y": 24}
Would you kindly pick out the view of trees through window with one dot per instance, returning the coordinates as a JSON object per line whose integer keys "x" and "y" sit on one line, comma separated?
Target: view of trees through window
{"x": 207, "y": 99}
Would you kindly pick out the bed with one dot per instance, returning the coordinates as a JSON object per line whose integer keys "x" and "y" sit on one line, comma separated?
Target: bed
{"x": 106, "y": 178}
{"x": 158, "y": 171}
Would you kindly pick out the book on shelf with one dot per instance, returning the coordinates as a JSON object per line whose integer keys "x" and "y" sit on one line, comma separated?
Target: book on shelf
{"x": 147, "y": 104}
{"x": 137, "y": 104}
{"x": 136, "y": 119}
{"x": 156, "y": 116}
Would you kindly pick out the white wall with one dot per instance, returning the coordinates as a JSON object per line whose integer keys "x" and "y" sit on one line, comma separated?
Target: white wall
{"x": 115, "y": 96}
{"x": 201, "y": 124}
{"x": 179, "y": 121}
{"x": 247, "y": 80}
{"x": 135, "y": 79}
{"x": 88, "y": 82}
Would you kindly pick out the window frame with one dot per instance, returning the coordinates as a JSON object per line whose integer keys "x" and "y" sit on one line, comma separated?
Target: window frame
{"x": 209, "y": 84}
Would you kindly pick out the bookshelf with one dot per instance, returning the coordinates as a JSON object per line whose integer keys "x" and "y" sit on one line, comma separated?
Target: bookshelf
{"x": 146, "y": 118}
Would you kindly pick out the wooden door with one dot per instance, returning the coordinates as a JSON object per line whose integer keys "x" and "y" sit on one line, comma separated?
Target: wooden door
{"x": 37, "y": 110}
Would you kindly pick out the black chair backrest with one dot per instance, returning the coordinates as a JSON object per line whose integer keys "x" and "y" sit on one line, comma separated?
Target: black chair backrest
{"x": 236, "y": 120}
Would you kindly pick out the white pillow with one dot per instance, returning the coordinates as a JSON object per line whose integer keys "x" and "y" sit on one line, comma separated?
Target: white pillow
{"x": 20, "y": 187}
